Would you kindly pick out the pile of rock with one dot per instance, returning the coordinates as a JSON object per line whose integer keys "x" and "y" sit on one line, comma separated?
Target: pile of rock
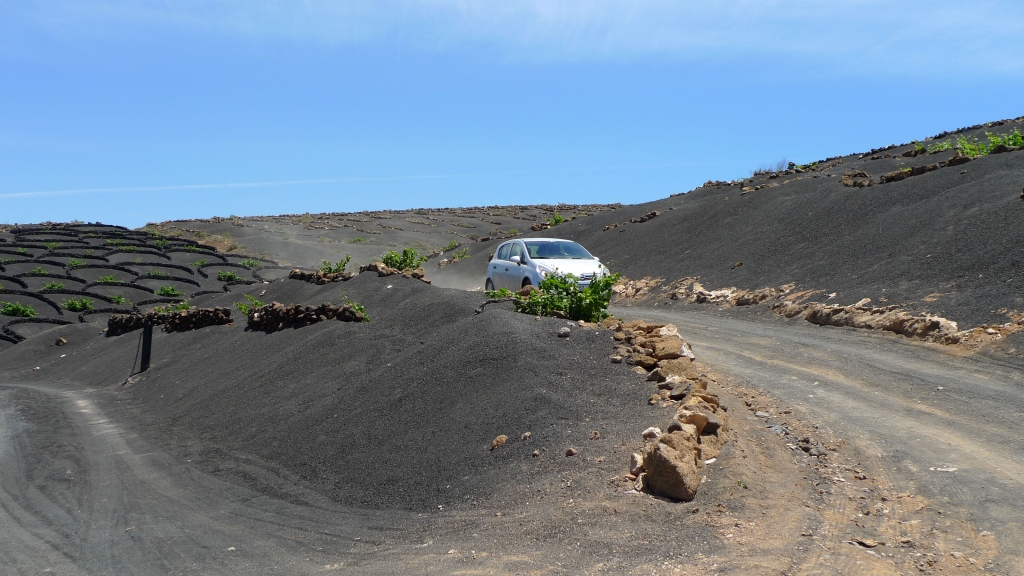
{"x": 174, "y": 321}
{"x": 319, "y": 276}
{"x": 649, "y": 216}
{"x": 857, "y": 179}
{"x": 276, "y": 316}
{"x": 383, "y": 269}
{"x": 890, "y": 318}
{"x": 670, "y": 461}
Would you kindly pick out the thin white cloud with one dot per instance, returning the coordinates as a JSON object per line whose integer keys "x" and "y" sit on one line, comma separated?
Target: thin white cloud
{"x": 882, "y": 34}
{"x": 293, "y": 183}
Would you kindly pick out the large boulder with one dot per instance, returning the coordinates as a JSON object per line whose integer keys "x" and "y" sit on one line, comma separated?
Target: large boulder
{"x": 682, "y": 367}
{"x": 670, "y": 466}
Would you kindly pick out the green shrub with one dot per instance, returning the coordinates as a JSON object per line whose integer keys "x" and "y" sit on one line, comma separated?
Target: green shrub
{"x": 227, "y": 276}
{"x": 562, "y": 293}
{"x": 512, "y": 231}
{"x": 119, "y": 299}
{"x": 78, "y": 304}
{"x": 160, "y": 242}
{"x": 22, "y": 250}
{"x": 460, "y": 255}
{"x": 357, "y": 240}
{"x": 191, "y": 248}
{"x": 338, "y": 268}
{"x": 130, "y": 248}
{"x": 198, "y": 263}
{"x": 250, "y": 263}
{"x": 157, "y": 274}
{"x": 52, "y": 286}
{"x": 940, "y": 147}
{"x": 451, "y": 246}
{"x": 114, "y": 241}
{"x": 109, "y": 278}
{"x": 169, "y": 292}
{"x": 556, "y": 219}
{"x": 16, "y": 309}
{"x": 38, "y": 270}
{"x": 73, "y": 263}
{"x": 244, "y": 307}
{"x": 409, "y": 258}
{"x": 88, "y": 252}
{"x": 51, "y": 246}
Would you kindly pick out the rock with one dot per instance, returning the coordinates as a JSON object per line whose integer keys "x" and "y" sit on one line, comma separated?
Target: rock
{"x": 680, "y": 391}
{"x": 636, "y": 464}
{"x": 616, "y": 359}
{"x": 656, "y": 375}
{"x": 667, "y": 331}
{"x": 571, "y": 452}
{"x": 991, "y": 331}
{"x": 957, "y": 160}
{"x": 667, "y": 348}
{"x": 536, "y": 453}
{"x": 525, "y": 436}
{"x": 595, "y": 435}
{"x": 651, "y": 433}
{"x": 646, "y": 362}
{"x": 564, "y": 332}
{"x": 695, "y": 419}
{"x": 498, "y": 442}
{"x": 60, "y": 341}
{"x": 760, "y": 414}
{"x": 681, "y": 367}
{"x": 669, "y": 471}
{"x": 527, "y": 290}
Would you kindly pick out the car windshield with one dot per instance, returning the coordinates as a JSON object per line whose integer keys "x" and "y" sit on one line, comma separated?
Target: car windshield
{"x": 559, "y": 250}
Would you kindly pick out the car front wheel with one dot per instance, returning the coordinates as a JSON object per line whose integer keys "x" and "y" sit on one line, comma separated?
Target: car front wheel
{"x": 489, "y": 286}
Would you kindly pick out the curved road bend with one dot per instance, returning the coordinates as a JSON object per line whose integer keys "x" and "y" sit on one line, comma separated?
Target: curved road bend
{"x": 923, "y": 411}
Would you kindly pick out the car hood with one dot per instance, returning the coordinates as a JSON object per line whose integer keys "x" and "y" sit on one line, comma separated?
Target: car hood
{"x": 574, "y": 267}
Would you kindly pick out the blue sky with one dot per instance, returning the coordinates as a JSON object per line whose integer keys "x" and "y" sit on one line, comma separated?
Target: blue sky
{"x": 129, "y": 112}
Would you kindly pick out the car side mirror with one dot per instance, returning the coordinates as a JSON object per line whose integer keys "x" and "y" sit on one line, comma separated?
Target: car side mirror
{"x": 596, "y": 258}
{"x": 516, "y": 259}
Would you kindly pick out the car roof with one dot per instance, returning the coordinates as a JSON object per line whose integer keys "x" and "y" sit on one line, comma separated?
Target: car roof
{"x": 547, "y": 239}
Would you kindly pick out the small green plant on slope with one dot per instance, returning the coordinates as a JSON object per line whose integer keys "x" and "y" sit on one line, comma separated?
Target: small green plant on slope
{"x": 160, "y": 242}
{"x": 562, "y": 293}
{"x": 129, "y": 248}
{"x": 357, "y": 240}
{"x": 74, "y": 263}
{"x": 355, "y": 306}
{"x": 556, "y": 219}
{"x": 191, "y": 248}
{"x": 21, "y": 250}
{"x": 51, "y": 246}
{"x": 244, "y": 307}
{"x": 78, "y": 304}
{"x": 328, "y": 268}
{"x": 88, "y": 252}
{"x": 460, "y": 255}
{"x": 198, "y": 263}
{"x": 157, "y": 274}
{"x": 119, "y": 299}
{"x": 16, "y": 309}
{"x": 109, "y": 278}
{"x": 940, "y": 147}
{"x": 409, "y": 258}
{"x": 169, "y": 292}
{"x": 513, "y": 231}
{"x": 227, "y": 276}
{"x": 251, "y": 263}
{"x": 451, "y": 246}
{"x": 38, "y": 270}
{"x": 52, "y": 286}
{"x": 176, "y": 307}
{"x": 114, "y": 241}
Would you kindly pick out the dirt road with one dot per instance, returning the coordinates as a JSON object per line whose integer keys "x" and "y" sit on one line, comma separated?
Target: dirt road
{"x": 933, "y": 423}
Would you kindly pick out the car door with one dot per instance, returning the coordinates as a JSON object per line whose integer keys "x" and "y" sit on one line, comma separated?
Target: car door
{"x": 500, "y": 266}
{"x": 515, "y": 271}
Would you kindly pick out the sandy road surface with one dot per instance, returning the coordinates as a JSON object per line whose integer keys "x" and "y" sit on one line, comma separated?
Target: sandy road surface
{"x": 933, "y": 423}
{"x": 80, "y": 495}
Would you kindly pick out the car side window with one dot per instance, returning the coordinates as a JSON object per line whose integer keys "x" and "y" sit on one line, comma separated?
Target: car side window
{"x": 503, "y": 252}
{"x": 517, "y": 250}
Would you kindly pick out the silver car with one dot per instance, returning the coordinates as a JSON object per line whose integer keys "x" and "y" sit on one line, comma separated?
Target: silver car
{"x": 518, "y": 263}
